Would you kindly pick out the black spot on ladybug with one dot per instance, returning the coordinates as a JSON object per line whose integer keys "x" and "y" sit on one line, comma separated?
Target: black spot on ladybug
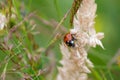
{"x": 69, "y": 40}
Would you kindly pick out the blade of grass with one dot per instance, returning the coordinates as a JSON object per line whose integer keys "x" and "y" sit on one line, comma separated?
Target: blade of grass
{"x": 3, "y": 75}
{"x": 96, "y": 74}
{"x": 30, "y": 2}
{"x": 103, "y": 74}
{"x": 16, "y": 6}
{"x": 57, "y": 8}
{"x": 111, "y": 78}
{"x": 4, "y": 72}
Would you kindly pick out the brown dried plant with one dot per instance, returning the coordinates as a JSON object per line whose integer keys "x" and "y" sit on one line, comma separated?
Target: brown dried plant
{"x": 75, "y": 64}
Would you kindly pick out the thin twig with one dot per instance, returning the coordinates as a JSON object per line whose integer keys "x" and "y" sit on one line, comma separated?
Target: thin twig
{"x": 51, "y": 44}
{"x": 62, "y": 20}
{"x": 51, "y": 23}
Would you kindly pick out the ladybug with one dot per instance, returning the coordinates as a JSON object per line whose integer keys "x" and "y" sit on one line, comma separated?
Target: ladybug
{"x": 69, "y": 40}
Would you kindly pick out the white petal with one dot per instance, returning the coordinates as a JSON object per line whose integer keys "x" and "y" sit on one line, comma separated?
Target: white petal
{"x": 86, "y": 69}
{"x": 89, "y": 63}
{"x": 73, "y": 31}
{"x": 100, "y": 35}
{"x": 100, "y": 43}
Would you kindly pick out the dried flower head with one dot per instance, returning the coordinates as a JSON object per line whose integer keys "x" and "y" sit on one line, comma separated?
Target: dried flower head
{"x": 3, "y": 21}
{"x": 75, "y": 62}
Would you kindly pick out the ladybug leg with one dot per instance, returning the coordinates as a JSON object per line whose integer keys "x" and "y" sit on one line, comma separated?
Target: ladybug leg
{"x": 73, "y": 38}
{"x": 67, "y": 42}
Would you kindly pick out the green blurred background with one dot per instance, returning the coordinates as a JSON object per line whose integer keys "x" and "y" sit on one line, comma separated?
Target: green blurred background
{"x": 107, "y": 21}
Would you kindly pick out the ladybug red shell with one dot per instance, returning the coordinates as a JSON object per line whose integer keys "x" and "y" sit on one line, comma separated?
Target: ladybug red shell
{"x": 69, "y": 40}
